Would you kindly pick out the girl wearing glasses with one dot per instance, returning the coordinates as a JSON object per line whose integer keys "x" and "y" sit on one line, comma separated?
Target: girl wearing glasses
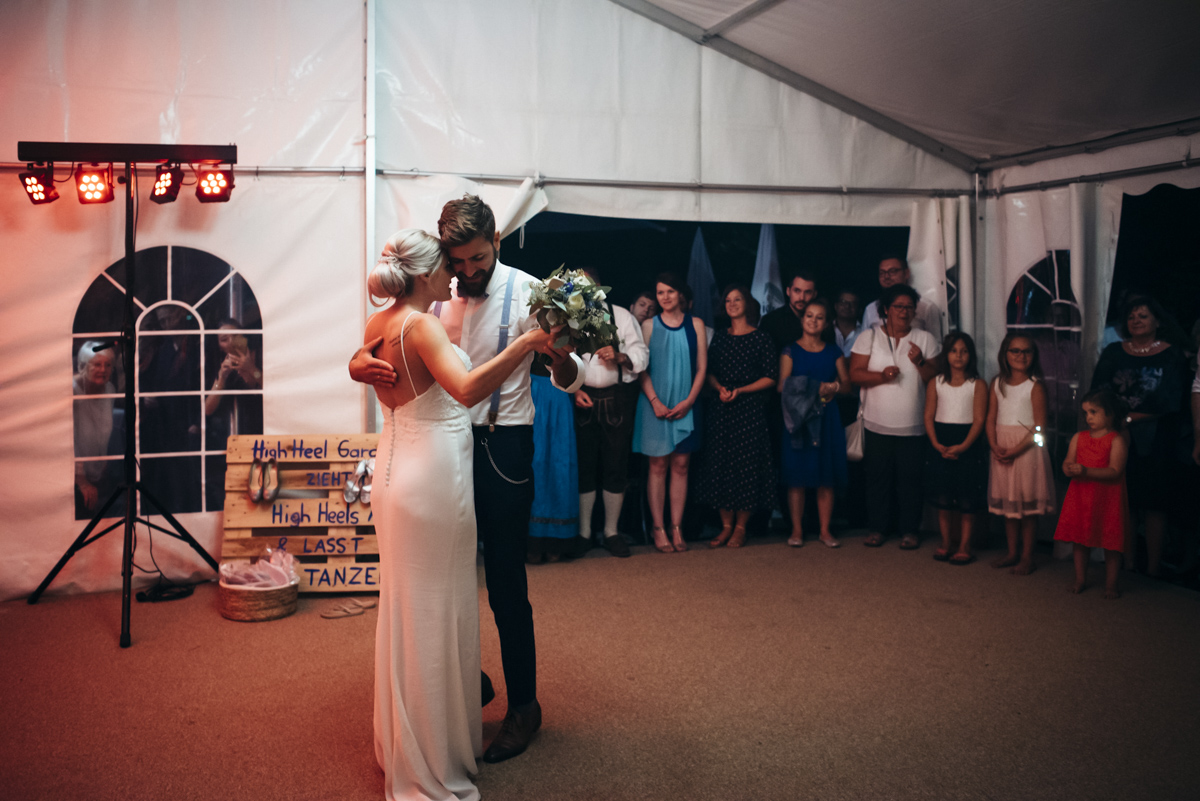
{"x": 1021, "y": 486}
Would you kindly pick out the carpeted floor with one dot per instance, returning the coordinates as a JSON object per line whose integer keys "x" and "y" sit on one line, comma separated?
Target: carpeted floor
{"x": 765, "y": 673}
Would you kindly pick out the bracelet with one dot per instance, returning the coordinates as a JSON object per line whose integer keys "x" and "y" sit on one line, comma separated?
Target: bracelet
{"x": 652, "y": 400}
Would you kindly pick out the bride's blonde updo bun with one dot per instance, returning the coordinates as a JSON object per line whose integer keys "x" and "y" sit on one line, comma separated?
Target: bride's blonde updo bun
{"x": 407, "y": 254}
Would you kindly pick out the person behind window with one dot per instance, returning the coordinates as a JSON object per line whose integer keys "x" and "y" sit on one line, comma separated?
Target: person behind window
{"x": 94, "y": 427}
{"x": 238, "y": 368}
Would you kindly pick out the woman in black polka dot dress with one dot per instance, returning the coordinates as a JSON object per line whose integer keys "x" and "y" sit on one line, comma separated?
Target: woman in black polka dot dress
{"x": 737, "y": 473}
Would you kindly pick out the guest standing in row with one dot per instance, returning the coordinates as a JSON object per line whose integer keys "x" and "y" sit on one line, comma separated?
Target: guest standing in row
{"x": 1148, "y": 374}
{"x": 668, "y": 428}
{"x": 819, "y": 464}
{"x": 956, "y": 461}
{"x": 893, "y": 362}
{"x": 1021, "y": 487}
{"x": 738, "y": 471}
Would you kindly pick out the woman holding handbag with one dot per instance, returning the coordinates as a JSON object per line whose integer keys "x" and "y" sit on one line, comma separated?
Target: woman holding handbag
{"x": 892, "y": 363}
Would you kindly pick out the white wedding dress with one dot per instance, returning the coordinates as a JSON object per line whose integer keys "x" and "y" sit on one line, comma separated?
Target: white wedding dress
{"x": 428, "y": 721}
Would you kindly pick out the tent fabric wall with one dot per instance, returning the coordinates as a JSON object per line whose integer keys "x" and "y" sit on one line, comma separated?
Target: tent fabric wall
{"x": 1020, "y": 228}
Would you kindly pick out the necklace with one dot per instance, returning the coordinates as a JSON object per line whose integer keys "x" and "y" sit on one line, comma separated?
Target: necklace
{"x": 1145, "y": 350}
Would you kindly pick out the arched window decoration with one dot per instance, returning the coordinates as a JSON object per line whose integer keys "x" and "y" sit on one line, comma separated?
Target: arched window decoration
{"x": 1042, "y": 306}
{"x": 198, "y": 379}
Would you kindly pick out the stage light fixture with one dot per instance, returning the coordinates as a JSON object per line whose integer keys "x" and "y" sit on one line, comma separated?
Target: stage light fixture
{"x": 94, "y": 182}
{"x": 168, "y": 179}
{"x": 39, "y": 184}
{"x": 214, "y": 184}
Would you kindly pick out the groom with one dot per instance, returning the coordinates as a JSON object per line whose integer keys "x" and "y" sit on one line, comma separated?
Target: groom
{"x": 490, "y": 306}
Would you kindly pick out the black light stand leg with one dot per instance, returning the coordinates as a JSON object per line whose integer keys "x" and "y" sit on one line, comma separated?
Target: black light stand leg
{"x": 79, "y": 543}
{"x": 180, "y": 533}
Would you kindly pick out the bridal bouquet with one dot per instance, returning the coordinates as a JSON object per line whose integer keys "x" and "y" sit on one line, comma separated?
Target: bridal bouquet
{"x": 573, "y": 300}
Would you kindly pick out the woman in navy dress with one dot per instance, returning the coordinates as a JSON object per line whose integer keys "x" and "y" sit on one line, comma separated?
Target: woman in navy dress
{"x": 822, "y": 466}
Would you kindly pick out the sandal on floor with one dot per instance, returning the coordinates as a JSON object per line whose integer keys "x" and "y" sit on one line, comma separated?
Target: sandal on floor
{"x": 873, "y": 540}
{"x": 677, "y": 542}
{"x": 722, "y": 538}
{"x": 909, "y": 543}
{"x": 348, "y": 609}
{"x": 665, "y": 547}
{"x": 739, "y": 537}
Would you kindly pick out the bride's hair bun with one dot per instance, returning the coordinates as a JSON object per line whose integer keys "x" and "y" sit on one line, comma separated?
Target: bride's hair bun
{"x": 407, "y": 254}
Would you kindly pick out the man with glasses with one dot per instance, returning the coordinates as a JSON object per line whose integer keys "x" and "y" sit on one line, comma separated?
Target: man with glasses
{"x": 846, "y": 327}
{"x": 894, "y": 270}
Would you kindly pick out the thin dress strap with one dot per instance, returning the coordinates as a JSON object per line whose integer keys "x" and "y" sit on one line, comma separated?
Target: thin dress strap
{"x": 404, "y": 355}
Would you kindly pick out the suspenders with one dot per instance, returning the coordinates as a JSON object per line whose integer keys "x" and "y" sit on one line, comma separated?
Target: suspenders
{"x": 502, "y": 343}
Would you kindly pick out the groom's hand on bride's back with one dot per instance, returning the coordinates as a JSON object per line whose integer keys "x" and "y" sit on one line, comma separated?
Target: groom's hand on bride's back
{"x": 367, "y": 369}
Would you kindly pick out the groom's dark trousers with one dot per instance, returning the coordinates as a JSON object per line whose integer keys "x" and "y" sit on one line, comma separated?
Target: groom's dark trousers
{"x": 503, "y": 500}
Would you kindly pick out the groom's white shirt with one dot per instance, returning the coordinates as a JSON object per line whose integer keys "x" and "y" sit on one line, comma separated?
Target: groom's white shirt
{"x": 474, "y": 325}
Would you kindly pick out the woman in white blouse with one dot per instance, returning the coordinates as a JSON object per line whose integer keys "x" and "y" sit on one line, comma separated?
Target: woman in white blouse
{"x": 892, "y": 362}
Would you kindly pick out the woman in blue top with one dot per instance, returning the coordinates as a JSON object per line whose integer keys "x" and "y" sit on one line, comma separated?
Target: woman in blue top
{"x": 666, "y": 428}
{"x": 822, "y": 466}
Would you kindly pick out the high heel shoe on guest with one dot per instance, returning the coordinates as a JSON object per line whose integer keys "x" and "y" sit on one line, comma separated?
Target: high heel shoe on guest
{"x": 677, "y": 539}
{"x": 722, "y": 538}
{"x": 739, "y": 537}
{"x": 663, "y": 545}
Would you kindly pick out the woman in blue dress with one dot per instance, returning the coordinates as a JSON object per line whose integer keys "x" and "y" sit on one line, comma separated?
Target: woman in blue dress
{"x": 822, "y": 466}
{"x": 667, "y": 427}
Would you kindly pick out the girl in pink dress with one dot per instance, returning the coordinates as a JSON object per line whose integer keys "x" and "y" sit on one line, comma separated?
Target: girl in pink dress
{"x": 1095, "y": 513}
{"x": 1021, "y": 484}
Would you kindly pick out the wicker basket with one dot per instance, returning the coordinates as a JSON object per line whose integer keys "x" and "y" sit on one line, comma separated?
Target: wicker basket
{"x": 252, "y": 604}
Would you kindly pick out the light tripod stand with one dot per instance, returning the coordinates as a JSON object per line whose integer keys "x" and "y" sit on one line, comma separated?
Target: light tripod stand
{"x": 130, "y": 488}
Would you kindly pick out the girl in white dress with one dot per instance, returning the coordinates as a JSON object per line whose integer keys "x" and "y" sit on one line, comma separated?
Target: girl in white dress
{"x": 428, "y": 723}
{"x": 1021, "y": 486}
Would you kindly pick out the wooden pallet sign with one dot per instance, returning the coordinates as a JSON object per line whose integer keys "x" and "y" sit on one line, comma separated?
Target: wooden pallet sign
{"x": 333, "y": 541}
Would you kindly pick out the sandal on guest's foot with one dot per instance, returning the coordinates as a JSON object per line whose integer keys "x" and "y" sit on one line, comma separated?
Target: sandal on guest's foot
{"x": 962, "y": 559}
{"x": 722, "y": 538}
{"x": 830, "y": 542}
{"x": 739, "y": 537}
{"x": 796, "y": 540}
{"x": 909, "y": 542}
{"x": 660, "y": 540}
{"x": 677, "y": 542}
{"x": 873, "y": 540}
{"x": 941, "y": 555}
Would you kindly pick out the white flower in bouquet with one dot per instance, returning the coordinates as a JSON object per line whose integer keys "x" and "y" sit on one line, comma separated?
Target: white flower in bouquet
{"x": 570, "y": 298}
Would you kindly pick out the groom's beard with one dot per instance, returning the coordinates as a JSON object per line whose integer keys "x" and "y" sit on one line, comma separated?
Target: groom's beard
{"x": 476, "y": 286}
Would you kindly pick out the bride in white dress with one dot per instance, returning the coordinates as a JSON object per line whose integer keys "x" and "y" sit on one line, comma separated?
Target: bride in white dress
{"x": 428, "y": 723}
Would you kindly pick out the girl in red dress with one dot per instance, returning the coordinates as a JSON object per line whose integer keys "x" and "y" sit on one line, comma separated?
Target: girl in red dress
{"x": 1095, "y": 513}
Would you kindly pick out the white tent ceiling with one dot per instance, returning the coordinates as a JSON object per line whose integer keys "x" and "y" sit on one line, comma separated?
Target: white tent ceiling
{"x": 988, "y": 80}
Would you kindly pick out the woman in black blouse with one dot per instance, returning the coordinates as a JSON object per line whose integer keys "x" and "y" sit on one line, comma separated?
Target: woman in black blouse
{"x": 1147, "y": 372}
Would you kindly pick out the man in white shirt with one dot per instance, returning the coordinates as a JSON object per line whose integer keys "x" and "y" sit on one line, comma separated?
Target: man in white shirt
{"x": 477, "y": 320}
{"x": 894, "y": 270}
{"x": 604, "y": 412}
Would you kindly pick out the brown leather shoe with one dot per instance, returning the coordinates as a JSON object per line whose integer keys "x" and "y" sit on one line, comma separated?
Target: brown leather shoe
{"x": 515, "y": 733}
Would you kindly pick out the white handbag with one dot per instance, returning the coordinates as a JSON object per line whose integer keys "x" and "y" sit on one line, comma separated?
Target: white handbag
{"x": 854, "y": 435}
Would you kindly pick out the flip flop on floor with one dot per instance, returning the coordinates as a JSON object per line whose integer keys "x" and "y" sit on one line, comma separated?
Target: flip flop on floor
{"x": 962, "y": 559}
{"x": 365, "y": 603}
{"x": 343, "y": 610}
